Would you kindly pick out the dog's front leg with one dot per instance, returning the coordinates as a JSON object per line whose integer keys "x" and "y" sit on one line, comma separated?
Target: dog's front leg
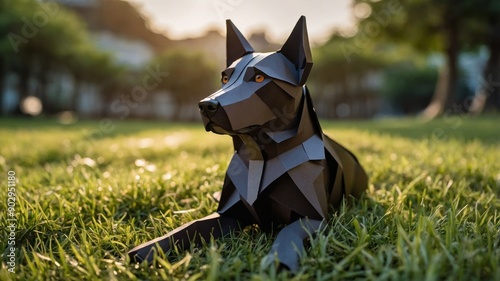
{"x": 289, "y": 243}
{"x": 215, "y": 224}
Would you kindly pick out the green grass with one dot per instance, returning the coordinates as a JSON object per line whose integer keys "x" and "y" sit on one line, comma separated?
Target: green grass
{"x": 87, "y": 193}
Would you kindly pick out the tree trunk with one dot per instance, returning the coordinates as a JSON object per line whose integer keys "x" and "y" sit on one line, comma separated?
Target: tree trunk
{"x": 487, "y": 96}
{"x": 107, "y": 98}
{"x": 75, "y": 98}
{"x": 43, "y": 80}
{"x": 177, "y": 112}
{"x": 3, "y": 74}
{"x": 23, "y": 86}
{"x": 344, "y": 94}
{"x": 444, "y": 94}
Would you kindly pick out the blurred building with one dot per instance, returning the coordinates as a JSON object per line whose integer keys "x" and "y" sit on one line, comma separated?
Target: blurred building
{"x": 119, "y": 28}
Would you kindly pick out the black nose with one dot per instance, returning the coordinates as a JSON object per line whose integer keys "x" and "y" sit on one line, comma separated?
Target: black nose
{"x": 208, "y": 107}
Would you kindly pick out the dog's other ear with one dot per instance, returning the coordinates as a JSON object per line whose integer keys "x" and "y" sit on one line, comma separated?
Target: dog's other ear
{"x": 298, "y": 51}
{"x": 236, "y": 45}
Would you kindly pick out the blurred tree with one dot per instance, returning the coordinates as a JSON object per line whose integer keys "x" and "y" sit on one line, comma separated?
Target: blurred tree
{"x": 190, "y": 77}
{"x": 428, "y": 26}
{"x": 89, "y": 65}
{"x": 344, "y": 75}
{"x": 408, "y": 86}
{"x": 39, "y": 38}
{"x": 485, "y": 24}
{"x": 10, "y": 20}
{"x": 115, "y": 83}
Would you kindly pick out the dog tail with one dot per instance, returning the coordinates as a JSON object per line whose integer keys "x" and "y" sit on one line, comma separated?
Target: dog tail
{"x": 354, "y": 180}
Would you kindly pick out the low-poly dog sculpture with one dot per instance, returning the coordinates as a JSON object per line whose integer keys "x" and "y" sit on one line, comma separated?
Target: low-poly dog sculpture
{"x": 285, "y": 171}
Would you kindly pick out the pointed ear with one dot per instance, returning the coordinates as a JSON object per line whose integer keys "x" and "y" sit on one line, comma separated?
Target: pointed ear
{"x": 236, "y": 45}
{"x": 298, "y": 51}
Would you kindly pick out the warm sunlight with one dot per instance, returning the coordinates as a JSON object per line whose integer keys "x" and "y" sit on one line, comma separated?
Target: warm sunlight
{"x": 181, "y": 19}
{"x": 250, "y": 140}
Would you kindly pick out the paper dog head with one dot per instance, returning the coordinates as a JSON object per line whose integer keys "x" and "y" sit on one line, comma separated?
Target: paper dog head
{"x": 259, "y": 90}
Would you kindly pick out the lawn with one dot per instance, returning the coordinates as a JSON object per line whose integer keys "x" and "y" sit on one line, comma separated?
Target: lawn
{"x": 88, "y": 192}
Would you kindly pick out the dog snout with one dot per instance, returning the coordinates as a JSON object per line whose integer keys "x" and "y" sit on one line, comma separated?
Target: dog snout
{"x": 208, "y": 107}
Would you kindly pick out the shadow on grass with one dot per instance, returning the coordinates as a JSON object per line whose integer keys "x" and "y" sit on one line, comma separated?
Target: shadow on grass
{"x": 485, "y": 129}
{"x": 106, "y": 127}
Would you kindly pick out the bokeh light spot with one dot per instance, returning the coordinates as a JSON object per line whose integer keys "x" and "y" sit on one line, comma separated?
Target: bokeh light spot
{"x": 31, "y": 106}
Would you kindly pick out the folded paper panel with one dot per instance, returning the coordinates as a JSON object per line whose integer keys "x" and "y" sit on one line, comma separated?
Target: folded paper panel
{"x": 289, "y": 195}
{"x": 236, "y": 44}
{"x": 284, "y": 170}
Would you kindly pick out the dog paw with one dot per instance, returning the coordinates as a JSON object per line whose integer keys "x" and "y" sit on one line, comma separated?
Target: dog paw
{"x": 267, "y": 261}
{"x": 135, "y": 257}
{"x": 289, "y": 263}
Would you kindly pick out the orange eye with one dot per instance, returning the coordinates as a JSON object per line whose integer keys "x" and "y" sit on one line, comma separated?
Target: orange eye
{"x": 224, "y": 79}
{"x": 259, "y": 78}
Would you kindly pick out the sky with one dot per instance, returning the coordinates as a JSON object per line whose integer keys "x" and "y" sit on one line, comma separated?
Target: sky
{"x": 181, "y": 19}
